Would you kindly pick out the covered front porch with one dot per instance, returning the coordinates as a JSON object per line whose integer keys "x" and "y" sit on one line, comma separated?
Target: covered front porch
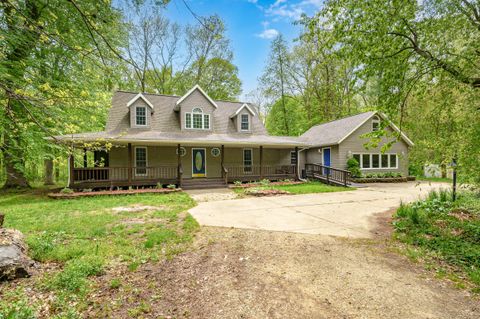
{"x": 151, "y": 164}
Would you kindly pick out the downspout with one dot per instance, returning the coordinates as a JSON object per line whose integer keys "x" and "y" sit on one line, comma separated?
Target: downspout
{"x": 298, "y": 164}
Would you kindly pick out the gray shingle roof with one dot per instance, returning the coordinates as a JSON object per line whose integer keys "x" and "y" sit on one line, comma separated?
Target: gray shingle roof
{"x": 332, "y": 133}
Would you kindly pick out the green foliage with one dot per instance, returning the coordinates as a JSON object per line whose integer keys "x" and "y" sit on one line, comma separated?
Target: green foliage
{"x": 285, "y": 122}
{"x": 115, "y": 283}
{"x": 67, "y": 190}
{"x": 15, "y": 305}
{"x": 353, "y": 166}
{"x": 444, "y": 229}
{"x": 304, "y": 188}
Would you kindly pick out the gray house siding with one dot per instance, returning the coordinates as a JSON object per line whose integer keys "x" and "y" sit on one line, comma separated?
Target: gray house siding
{"x": 355, "y": 144}
{"x": 315, "y": 155}
{"x": 166, "y": 155}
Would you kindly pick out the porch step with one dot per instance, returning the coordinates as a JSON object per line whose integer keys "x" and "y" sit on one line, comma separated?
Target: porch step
{"x": 203, "y": 183}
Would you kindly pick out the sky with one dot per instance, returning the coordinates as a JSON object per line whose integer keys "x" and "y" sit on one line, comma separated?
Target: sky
{"x": 251, "y": 26}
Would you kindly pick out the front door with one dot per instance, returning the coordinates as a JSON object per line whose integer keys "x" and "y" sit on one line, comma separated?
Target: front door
{"x": 199, "y": 163}
{"x": 326, "y": 160}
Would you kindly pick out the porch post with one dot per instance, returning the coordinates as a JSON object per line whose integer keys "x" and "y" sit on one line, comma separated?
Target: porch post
{"x": 261, "y": 162}
{"x": 71, "y": 166}
{"x": 130, "y": 157}
{"x": 222, "y": 158}
{"x": 85, "y": 158}
{"x": 179, "y": 167}
{"x": 297, "y": 165}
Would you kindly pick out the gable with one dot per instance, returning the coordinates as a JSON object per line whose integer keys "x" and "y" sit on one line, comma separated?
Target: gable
{"x": 195, "y": 90}
{"x": 140, "y": 97}
{"x": 244, "y": 108}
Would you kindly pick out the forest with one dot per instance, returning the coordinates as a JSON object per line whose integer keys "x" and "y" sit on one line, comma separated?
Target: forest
{"x": 418, "y": 62}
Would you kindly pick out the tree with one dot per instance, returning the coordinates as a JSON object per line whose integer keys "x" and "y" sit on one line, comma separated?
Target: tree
{"x": 274, "y": 78}
{"x": 288, "y": 111}
{"x": 55, "y": 56}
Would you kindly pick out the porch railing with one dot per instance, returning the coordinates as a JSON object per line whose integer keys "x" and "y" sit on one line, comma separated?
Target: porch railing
{"x": 327, "y": 174}
{"x": 267, "y": 171}
{"x": 102, "y": 174}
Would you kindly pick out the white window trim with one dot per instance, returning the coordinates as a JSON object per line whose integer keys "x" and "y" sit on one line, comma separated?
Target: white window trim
{"x": 380, "y": 160}
{"x": 205, "y": 159}
{"x": 203, "y": 120}
{"x": 146, "y": 116}
{"x": 248, "y": 122}
{"x": 251, "y": 160}
{"x": 146, "y": 160}
{"x": 376, "y": 120}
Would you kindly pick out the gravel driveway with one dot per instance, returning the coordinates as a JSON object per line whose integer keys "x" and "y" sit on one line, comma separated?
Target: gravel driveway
{"x": 346, "y": 214}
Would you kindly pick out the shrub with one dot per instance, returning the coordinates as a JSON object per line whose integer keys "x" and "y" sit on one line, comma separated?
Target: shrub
{"x": 66, "y": 190}
{"x": 354, "y": 167}
{"x": 264, "y": 182}
{"x": 115, "y": 283}
{"x": 171, "y": 186}
{"x": 237, "y": 183}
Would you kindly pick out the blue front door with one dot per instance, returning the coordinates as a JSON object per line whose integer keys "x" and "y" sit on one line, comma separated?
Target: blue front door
{"x": 198, "y": 162}
{"x": 326, "y": 160}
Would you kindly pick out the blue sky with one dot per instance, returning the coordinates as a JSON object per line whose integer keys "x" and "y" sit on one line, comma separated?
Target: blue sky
{"x": 251, "y": 25}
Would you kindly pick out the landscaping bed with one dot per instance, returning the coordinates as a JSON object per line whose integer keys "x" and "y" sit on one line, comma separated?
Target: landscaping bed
{"x": 266, "y": 192}
{"x": 445, "y": 235}
{"x": 69, "y": 195}
{"x": 282, "y": 183}
{"x": 362, "y": 180}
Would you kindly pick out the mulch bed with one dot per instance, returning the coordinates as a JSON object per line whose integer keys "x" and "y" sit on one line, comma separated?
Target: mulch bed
{"x": 380, "y": 180}
{"x": 248, "y": 185}
{"x": 266, "y": 192}
{"x": 117, "y": 192}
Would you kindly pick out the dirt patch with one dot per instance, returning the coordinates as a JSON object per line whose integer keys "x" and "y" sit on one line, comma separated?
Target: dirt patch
{"x": 462, "y": 214}
{"x": 266, "y": 192}
{"x": 260, "y": 274}
{"x": 382, "y": 224}
{"x": 136, "y": 208}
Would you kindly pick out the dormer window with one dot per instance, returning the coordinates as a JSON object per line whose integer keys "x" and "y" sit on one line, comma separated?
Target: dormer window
{"x": 197, "y": 120}
{"x": 245, "y": 122}
{"x": 140, "y": 116}
{"x": 375, "y": 123}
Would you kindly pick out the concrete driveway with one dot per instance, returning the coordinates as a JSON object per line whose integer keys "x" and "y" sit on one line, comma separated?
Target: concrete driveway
{"x": 346, "y": 214}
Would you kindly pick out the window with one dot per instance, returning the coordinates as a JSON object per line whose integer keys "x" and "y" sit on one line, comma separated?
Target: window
{"x": 215, "y": 152}
{"x": 197, "y": 120}
{"x": 140, "y": 116}
{"x": 377, "y": 160}
{"x": 140, "y": 161}
{"x": 245, "y": 122}
{"x": 293, "y": 158}
{"x": 375, "y": 124}
{"x": 365, "y": 161}
{"x": 247, "y": 160}
{"x": 385, "y": 161}
{"x": 393, "y": 160}
{"x": 183, "y": 151}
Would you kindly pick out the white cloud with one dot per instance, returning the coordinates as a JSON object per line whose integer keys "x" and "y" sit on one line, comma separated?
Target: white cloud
{"x": 268, "y": 34}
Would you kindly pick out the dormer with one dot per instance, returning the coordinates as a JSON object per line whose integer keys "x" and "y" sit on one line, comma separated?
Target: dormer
{"x": 141, "y": 111}
{"x": 243, "y": 118}
{"x": 196, "y": 110}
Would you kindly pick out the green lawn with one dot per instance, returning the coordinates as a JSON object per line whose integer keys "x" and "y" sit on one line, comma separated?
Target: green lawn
{"x": 444, "y": 234}
{"x": 305, "y": 188}
{"x": 85, "y": 237}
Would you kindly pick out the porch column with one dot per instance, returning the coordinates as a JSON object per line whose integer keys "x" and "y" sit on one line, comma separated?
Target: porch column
{"x": 85, "y": 158}
{"x": 130, "y": 160}
{"x": 297, "y": 165}
{"x": 261, "y": 162}
{"x": 179, "y": 166}
{"x": 71, "y": 166}
{"x": 222, "y": 159}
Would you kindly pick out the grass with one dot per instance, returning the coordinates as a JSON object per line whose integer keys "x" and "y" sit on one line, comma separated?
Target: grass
{"x": 85, "y": 238}
{"x": 444, "y": 234}
{"x": 305, "y": 188}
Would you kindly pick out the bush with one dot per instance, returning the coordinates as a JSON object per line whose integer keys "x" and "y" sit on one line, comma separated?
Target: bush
{"x": 264, "y": 182}
{"x": 354, "y": 167}
{"x": 237, "y": 183}
{"x": 171, "y": 186}
{"x": 67, "y": 190}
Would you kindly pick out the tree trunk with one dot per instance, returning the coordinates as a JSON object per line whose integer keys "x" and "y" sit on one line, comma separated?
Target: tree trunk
{"x": 48, "y": 172}
{"x": 15, "y": 177}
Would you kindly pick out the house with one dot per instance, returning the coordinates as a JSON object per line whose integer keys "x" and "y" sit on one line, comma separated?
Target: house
{"x": 195, "y": 141}
{"x": 190, "y": 140}
{"x": 333, "y": 143}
